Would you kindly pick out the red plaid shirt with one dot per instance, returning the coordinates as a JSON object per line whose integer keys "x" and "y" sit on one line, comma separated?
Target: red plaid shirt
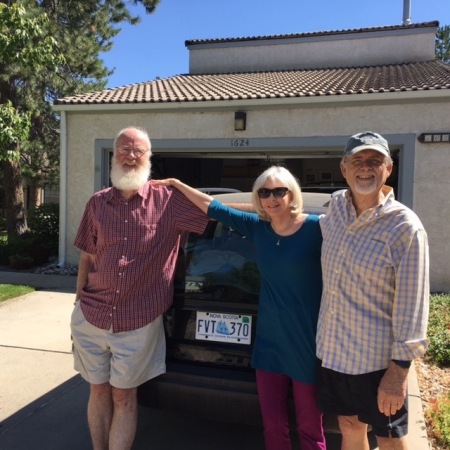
{"x": 135, "y": 243}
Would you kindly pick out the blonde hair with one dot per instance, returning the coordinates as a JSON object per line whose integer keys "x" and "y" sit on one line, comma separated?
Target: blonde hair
{"x": 286, "y": 179}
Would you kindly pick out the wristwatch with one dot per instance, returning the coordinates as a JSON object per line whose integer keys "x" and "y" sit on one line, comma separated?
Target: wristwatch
{"x": 402, "y": 364}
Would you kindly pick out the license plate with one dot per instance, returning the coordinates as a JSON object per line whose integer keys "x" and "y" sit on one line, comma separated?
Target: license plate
{"x": 223, "y": 327}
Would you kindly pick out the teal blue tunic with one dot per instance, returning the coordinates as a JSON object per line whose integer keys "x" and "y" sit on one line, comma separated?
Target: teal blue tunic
{"x": 291, "y": 288}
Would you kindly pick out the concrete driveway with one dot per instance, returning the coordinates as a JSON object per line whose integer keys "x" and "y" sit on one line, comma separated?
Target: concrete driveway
{"x": 43, "y": 400}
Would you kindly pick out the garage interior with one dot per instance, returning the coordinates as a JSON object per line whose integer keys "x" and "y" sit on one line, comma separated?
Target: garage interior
{"x": 317, "y": 174}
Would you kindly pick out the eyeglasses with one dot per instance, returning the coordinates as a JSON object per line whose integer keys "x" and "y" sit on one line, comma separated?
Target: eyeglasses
{"x": 278, "y": 192}
{"x": 136, "y": 152}
{"x": 371, "y": 162}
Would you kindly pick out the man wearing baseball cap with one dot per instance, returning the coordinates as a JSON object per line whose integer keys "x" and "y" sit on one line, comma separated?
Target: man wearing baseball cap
{"x": 374, "y": 311}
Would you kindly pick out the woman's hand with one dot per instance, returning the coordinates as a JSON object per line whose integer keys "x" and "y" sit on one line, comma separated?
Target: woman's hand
{"x": 166, "y": 182}
{"x": 199, "y": 199}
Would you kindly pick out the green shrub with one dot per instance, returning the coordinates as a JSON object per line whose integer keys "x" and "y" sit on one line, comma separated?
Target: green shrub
{"x": 439, "y": 330}
{"x": 20, "y": 261}
{"x": 43, "y": 222}
{"x": 5, "y": 253}
{"x": 22, "y": 244}
{"x": 23, "y": 247}
{"x": 438, "y": 353}
{"x": 439, "y": 416}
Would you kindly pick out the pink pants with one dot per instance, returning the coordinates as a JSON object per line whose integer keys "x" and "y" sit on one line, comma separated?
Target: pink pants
{"x": 273, "y": 391}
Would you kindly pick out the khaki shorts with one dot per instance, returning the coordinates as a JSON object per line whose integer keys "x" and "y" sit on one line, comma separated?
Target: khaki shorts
{"x": 125, "y": 360}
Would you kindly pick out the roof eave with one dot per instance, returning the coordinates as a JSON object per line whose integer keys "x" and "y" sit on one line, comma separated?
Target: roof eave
{"x": 419, "y": 95}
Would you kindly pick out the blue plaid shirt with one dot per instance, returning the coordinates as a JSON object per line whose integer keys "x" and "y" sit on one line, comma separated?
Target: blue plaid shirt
{"x": 376, "y": 286}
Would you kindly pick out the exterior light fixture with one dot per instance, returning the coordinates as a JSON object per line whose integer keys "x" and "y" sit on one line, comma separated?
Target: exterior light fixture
{"x": 240, "y": 120}
{"x": 433, "y": 138}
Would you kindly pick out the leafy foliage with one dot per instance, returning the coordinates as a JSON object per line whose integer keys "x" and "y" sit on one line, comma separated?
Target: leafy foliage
{"x": 443, "y": 44}
{"x": 44, "y": 223}
{"x": 48, "y": 49}
{"x": 439, "y": 330}
{"x": 23, "y": 38}
{"x": 439, "y": 415}
{"x": 439, "y": 354}
{"x": 21, "y": 261}
{"x": 38, "y": 243}
{"x": 14, "y": 129}
{"x": 5, "y": 253}
{"x": 23, "y": 43}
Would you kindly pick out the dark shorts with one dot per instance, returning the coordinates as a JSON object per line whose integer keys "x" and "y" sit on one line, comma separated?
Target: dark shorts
{"x": 356, "y": 395}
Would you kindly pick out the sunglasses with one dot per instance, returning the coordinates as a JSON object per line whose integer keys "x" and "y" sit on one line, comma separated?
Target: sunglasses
{"x": 278, "y": 192}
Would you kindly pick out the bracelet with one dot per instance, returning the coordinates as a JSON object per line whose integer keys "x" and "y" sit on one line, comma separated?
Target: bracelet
{"x": 402, "y": 364}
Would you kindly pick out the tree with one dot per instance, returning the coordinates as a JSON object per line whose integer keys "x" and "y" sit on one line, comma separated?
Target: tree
{"x": 443, "y": 44}
{"x": 23, "y": 42}
{"x": 48, "y": 29}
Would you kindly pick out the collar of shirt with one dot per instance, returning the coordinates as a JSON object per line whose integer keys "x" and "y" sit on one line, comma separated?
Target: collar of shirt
{"x": 387, "y": 191}
{"x": 371, "y": 213}
{"x": 114, "y": 193}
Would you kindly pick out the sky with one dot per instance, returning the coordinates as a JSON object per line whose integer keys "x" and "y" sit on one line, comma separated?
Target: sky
{"x": 156, "y": 46}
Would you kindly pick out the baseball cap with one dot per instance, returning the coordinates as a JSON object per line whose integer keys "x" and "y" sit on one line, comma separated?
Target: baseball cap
{"x": 367, "y": 141}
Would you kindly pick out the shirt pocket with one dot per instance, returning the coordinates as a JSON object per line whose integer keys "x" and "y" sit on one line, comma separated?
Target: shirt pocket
{"x": 371, "y": 254}
{"x": 373, "y": 268}
{"x": 145, "y": 237}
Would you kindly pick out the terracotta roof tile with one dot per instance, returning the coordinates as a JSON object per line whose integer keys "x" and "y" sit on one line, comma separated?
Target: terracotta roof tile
{"x": 432, "y": 24}
{"x": 277, "y": 84}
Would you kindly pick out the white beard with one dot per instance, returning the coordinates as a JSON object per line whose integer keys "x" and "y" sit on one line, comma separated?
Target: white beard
{"x": 130, "y": 180}
{"x": 365, "y": 188}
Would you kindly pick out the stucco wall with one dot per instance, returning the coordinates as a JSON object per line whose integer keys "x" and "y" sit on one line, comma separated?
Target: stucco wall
{"x": 431, "y": 188}
{"x": 316, "y": 52}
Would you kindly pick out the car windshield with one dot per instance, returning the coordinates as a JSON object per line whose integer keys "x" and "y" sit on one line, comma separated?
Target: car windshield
{"x": 219, "y": 265}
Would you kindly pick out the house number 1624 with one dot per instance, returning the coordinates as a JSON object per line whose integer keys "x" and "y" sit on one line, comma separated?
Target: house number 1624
{"x": 240, "y": 142}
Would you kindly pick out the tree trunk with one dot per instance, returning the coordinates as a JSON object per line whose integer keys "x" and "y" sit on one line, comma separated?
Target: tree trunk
{"x": 16, "y": 223}
{"x": 34, "y": 194}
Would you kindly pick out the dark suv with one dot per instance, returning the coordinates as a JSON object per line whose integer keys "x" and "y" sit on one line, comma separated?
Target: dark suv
{"x": 211, "y": 326}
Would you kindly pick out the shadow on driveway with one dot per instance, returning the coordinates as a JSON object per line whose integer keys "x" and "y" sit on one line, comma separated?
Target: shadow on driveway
{"x": 57, "y": 421}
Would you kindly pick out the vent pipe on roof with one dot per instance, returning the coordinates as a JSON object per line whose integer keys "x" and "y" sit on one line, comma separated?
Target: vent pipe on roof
{"x": 406, "y": 12}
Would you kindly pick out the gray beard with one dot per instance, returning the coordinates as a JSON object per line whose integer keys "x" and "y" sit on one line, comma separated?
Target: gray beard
{"x": 131, "y": 180}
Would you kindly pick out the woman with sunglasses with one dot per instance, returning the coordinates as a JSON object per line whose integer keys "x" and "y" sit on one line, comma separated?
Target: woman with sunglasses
{"x": 288, "y": 244}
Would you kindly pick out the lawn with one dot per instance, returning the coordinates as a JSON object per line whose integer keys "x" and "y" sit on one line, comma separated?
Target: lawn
{"x": 8, "y": 291}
